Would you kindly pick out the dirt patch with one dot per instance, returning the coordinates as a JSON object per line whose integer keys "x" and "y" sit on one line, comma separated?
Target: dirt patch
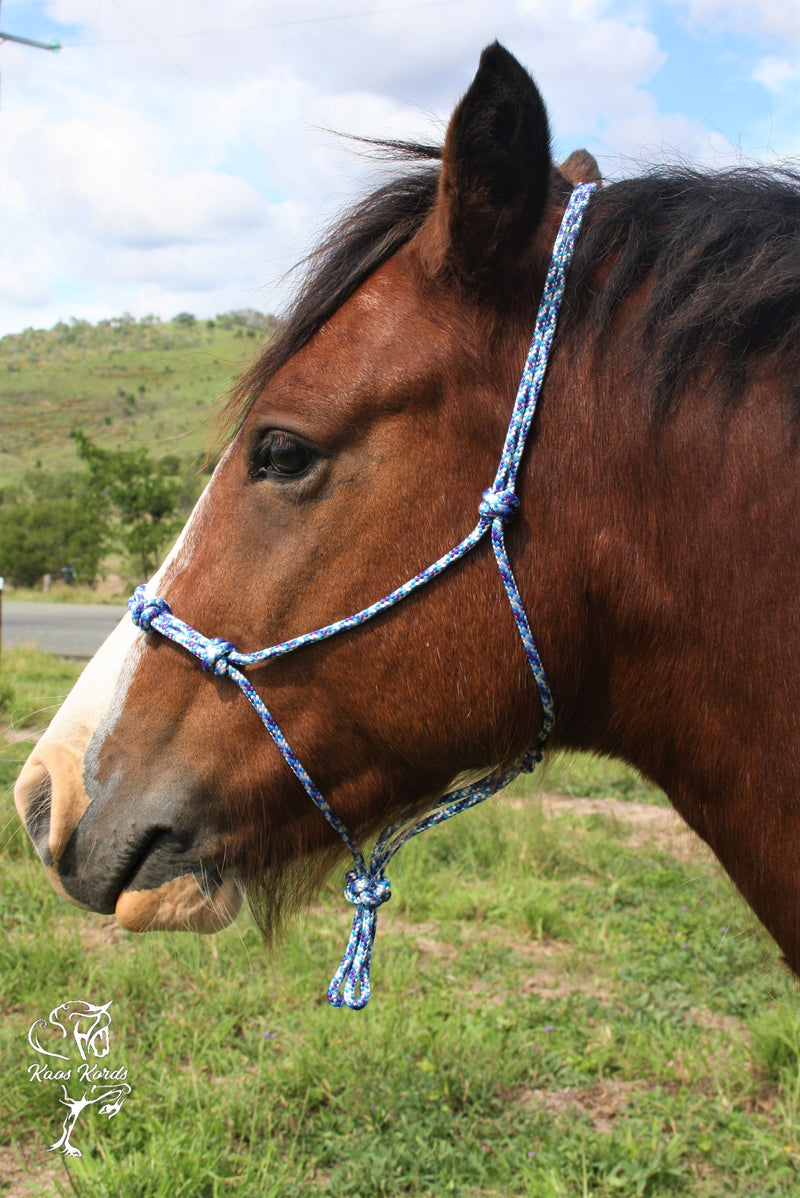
{"x": 601, "y": 1102}
{"x": 13, "y": 736}
{"x": 100, "y": 932}
{"x": 28, "y": 1173}
{"x": 423, "y": 936}
{"x": 714, "y": 1021}
{"x": 434, "y": 948}
{"x": 551, "y": 978}
{"x": 648, "y": 826}
{"x": 550, "y": 982}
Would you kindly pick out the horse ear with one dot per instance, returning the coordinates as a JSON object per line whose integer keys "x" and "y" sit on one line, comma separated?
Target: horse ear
{"x": 495, "y": 173}
{"x": 581, "y": 167}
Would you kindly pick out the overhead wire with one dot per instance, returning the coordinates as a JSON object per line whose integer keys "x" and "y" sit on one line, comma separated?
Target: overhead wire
{"x": 289, "y": 23}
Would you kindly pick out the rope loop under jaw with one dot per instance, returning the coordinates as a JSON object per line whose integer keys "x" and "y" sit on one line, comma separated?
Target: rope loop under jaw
{"x": 362, "y": 889}
{"x": 350, "y": 985}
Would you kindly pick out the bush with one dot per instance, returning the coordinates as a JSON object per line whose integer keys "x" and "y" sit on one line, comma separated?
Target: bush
{"x": 48, "y": 524}
{"x": 140, "y": 493}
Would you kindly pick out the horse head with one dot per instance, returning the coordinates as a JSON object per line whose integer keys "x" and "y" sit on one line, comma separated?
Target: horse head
{"x": 357, "y": 460}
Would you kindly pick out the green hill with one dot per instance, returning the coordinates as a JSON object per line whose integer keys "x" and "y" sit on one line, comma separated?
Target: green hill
{"x": 124, "y": 382}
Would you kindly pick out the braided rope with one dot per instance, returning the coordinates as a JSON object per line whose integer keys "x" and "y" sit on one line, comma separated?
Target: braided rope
{"x": 366, "y": 887}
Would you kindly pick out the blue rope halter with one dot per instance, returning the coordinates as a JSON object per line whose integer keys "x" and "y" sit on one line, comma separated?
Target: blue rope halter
{"x": 366, "y": 886}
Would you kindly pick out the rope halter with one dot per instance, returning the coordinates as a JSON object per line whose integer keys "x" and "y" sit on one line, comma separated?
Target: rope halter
{"x": 366, "y": 885}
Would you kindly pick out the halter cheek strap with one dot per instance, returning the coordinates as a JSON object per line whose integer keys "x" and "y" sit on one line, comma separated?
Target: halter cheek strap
{"x": 366, "y": 886}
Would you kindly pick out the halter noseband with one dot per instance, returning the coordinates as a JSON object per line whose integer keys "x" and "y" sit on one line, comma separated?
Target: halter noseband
{"x": 366, "y": 886}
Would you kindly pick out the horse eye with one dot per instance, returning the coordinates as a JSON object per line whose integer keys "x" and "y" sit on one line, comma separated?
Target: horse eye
{"x": 281, "y": 455}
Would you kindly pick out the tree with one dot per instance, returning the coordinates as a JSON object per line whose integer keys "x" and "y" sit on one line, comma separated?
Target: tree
{"x": 122, "y": 500}
{"x": 47, "y": 523}
{"x": 129, "y": 486}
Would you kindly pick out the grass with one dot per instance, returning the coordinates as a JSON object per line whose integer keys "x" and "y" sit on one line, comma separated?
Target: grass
{"x": 560, "y": 1008}
{"x": 583, "y": 775}
{"x": 32, "y": 687}
{"x": 62, "y": 592}
{"x": 123, "y": 383}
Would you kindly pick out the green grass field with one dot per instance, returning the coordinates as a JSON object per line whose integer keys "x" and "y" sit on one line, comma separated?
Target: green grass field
{"x": 123, "y": 383}
{"x": 568, "y": 999}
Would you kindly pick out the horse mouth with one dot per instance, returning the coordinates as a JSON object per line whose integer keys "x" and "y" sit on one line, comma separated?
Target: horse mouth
{"x": 186, "y": 902}
{"x": 159, "y": 885}
{"x": 151, "y": 879}
{"x": 160, "y": 859}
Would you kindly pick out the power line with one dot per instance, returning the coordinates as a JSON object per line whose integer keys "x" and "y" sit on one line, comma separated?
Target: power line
{"x": 287, "y": 24}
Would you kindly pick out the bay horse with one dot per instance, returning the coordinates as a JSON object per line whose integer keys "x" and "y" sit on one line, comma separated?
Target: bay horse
{"x": 655, "y": 545}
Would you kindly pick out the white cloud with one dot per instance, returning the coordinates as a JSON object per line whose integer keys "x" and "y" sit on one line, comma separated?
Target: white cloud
{"x": 28, "y": 291}
{"x": 776, "y": 18}
{"x": 779, "y": 75}
{"x": 172, "y": 156}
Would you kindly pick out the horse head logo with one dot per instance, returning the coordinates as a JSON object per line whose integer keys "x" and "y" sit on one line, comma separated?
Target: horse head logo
{"x": 89, "y": 1027}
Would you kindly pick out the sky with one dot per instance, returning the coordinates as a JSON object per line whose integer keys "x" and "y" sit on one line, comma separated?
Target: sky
{"x": 182, "y": 155}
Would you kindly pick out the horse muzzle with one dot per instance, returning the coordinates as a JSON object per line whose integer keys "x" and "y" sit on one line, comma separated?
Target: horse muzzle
{"x": 141, "y": 861}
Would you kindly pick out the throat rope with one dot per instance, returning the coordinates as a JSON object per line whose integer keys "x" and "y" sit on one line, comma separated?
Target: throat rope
{"x": 366, "y": 886}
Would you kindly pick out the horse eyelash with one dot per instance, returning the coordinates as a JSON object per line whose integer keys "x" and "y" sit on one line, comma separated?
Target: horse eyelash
{"x": 258, "y": 470}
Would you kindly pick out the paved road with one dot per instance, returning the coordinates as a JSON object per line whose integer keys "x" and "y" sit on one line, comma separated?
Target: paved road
{"x": 69, "y": 629}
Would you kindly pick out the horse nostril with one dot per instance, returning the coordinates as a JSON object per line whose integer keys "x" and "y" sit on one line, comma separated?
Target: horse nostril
{"x": 33, "y": 797}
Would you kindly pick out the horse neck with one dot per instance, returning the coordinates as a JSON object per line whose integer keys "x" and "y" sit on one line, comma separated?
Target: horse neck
{"x": 668, "y": 545}
{"x": 676, "y": 564}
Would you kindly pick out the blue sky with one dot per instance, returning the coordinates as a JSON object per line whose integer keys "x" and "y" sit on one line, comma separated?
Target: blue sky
{"x": 712, "y": 76}
{"x": 176, "y": 156}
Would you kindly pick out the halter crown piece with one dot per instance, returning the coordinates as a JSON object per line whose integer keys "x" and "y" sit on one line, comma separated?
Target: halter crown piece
{"x": 366, "y": 886}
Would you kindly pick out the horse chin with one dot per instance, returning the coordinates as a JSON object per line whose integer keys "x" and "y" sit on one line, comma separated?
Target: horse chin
{"x": 180, "y": 904}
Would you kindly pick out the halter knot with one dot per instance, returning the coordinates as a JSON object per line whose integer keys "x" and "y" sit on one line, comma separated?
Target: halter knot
{"x": 363, "y": 889}
{"x": 350, "y": 985}
{"x": 498, "y": 505}
{"x": 214, "y": 656}
{"x": 529, "y": 763}
{"x": 144, "y": 610}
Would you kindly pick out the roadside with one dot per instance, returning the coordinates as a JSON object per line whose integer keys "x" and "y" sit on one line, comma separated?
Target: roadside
{"x": 111, "y": 589}
{"x": 68, "y": 630}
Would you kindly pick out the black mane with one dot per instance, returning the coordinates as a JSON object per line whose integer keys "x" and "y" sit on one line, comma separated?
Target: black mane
{"x": 720, "y": 252}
